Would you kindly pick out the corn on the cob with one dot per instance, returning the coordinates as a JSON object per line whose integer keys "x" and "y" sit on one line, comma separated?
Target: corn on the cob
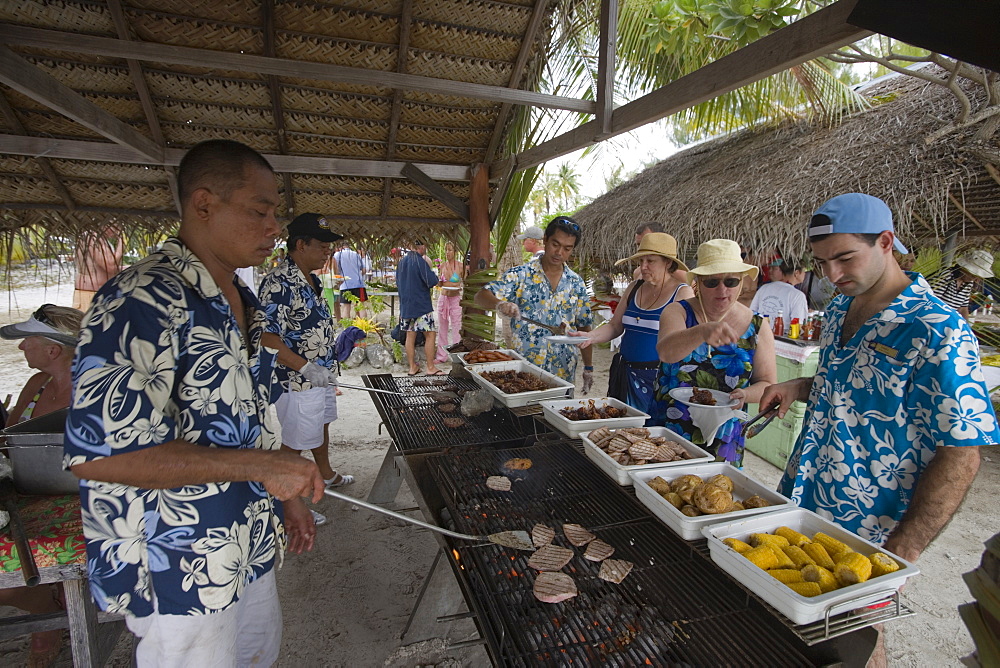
{"x": 805, "y": 588}
{"x": 798, "y": 556}
{"x": 792, "y": 536}
{"x": 819, "y": 555}
{"x": 783, "y": 560}
{"x": 786, "y": 575}
{"x": 882, "y": 564}
{"x": 762, "y": 557}
{"x": 852, "y": 568}
{"x": 758, "y": 539}
{"x": 833, "y": 546}
{"x": 821, "y": 576}
{"x": 737, "y": 545}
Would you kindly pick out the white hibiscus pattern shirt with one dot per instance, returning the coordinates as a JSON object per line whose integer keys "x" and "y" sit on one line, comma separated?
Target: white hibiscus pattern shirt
{"x": 161, "y": 357}
{"x": 297, "y": 312}
{"x": 907, "y": 383}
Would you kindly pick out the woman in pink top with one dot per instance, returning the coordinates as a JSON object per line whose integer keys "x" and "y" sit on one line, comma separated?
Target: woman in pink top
{"x": 449, "y": 307}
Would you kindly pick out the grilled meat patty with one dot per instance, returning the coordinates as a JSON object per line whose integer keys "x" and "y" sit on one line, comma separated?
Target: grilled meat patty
{"x": 499, "y": 483}
{"x": 554, "y": 587}
{"x": 614, "y": 570}
{"x": 598, "y": 550}
{"x": 550, "y": 558}
{"x": 454, "y": 422}
{"x": 542, "y": 535}
{"x": 577, "y": 535}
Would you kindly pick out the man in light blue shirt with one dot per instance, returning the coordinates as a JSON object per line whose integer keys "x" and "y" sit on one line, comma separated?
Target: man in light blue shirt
{"x": 898, "y": 406}
{"x": 351, "y": 266}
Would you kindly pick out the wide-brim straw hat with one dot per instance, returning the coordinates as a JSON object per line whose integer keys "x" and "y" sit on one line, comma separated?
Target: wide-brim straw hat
{"x": 978, "y": 263}
{"x": 656, "y": 243}
{"x": 722, "y": 256}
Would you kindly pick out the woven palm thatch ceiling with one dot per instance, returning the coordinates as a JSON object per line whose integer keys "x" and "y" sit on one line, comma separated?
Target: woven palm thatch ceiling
{"x": 371, "y": 111}
{"x": 759, "y": 187}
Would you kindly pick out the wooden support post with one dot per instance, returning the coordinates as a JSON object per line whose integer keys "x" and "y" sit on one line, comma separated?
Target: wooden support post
{"x": 479, "y": 218}
{"x": 82, "y": 624}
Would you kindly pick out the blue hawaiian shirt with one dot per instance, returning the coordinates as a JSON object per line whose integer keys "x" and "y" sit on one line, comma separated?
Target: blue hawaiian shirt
{"x": 297, "y": 312}
{"x": 907, "y": 383}
{"x": 161, "y": 357}
{"x": 529, "y": 288}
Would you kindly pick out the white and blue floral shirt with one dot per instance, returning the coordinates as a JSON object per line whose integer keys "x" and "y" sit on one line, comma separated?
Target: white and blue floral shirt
{"x": 161, "y": 357}
{"x": 297, "y": 312}
{"x": 529, "y": 288}
{"x": 907, "y": 383}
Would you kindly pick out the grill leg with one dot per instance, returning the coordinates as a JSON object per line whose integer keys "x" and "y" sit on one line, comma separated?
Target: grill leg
{"x": 388, "y": 480}
{"x": 420, "y": 596}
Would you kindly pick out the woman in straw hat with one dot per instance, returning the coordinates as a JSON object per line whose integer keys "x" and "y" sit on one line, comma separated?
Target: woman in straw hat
{"x": 714, "y": 342}
{"x": 633, "y": 370}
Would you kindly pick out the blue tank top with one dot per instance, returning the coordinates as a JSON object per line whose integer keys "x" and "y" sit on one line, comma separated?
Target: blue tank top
{"x": 642, "y": 328}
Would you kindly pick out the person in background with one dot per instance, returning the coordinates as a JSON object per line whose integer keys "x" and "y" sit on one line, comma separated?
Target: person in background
{"x": 547, "y": 290}
{"x": 716, "y": 343}
{"x": 954, "y": 285}
{"x": 898, "y": 406}
{"x": 414, "y": 280}
{"x": 641, "y": 230}
{"x": 300, "y": 328}
{"x": 781, "y": 295}
{"x": 818, "y": 290}
{"x": 351, "y": 266}
{"x": 48, "y": 341}
{"x": 633, "y": 369}
{"x": 98, "y": 258}
{"x": 182, "y": 483}
{"x": 449, "y": 306}
{"x": 531, "y": 239}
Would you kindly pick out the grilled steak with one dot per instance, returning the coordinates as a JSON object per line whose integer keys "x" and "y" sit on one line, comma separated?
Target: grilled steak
{"x": 598, "y": 550}
{"x": 614, "y": 570}
{"x": 499, "y": 483}
{"x": 553, "y": 587}
{"x": 443, "y": 396}
{"x": 542, "y": 535}
{"x": 577, "y": 535}
{"x": 454, "y": 422}
{"x": 447, "y": 408}
{"x": 550, "y": 558}
{"x": 643, "y": 449}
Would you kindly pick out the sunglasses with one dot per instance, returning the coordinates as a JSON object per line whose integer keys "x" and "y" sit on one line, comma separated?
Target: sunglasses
{"x": 730, "y": 282}
{"x": 568, "y": 222}
{"x": 41, "y": 316}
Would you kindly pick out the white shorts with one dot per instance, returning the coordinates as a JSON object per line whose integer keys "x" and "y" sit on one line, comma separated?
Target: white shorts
{"x": 247, "y": 633}
{"x": 303, "y": 416}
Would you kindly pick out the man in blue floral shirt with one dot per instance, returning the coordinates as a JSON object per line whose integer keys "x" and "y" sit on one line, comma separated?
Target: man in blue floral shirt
{"x": 167, "y": 430}
{"x": 898, "y": 406}
{"x": 300, "y": 328}
{"x": 547, "y": 290}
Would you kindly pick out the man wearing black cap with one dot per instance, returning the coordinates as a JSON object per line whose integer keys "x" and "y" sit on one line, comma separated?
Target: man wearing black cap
{"x": 300, "y": 328}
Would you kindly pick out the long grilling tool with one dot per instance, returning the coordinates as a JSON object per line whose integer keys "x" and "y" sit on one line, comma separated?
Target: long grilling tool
{"x": 519, "y": 540}
{"x": 369, "y": 389}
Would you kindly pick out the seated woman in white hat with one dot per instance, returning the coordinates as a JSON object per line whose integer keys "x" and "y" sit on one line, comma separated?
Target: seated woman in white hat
{"x": 634, "y": 368}
{"x": 714, "y": 342}
{"x": 954, "y": 285}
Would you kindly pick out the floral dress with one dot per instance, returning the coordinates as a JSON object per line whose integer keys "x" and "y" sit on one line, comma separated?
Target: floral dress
{"x": 722, "y": 368}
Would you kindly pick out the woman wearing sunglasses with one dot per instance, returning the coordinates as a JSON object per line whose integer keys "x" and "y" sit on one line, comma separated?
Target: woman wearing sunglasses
{"x": 714, "y": 342}
{"x": 49, "y": 340}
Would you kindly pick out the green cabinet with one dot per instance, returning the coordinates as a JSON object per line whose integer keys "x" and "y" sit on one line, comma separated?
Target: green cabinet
{"x": 776, "y": 442}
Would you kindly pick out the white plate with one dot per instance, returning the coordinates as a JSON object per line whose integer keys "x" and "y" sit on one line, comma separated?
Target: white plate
{"x": 722, "y": 400}
{"x": 560, "y": 338}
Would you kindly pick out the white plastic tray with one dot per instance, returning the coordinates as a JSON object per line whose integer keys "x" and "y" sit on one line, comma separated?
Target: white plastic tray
{"x": 460, "y": 357}
{"x": 573, "y": 428}
{"x": 621, "y": 473}
{"x": 560, "y": 387}
{"x": 689, "y": 528}
{"x": 801, "y": 609}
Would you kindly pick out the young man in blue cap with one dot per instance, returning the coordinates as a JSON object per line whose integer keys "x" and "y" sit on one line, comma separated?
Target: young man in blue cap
{"x": 898, "y": 406}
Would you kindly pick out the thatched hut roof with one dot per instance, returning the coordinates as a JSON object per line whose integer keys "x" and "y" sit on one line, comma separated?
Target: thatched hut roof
{"x": 760, "y": 186}
{"x": 428, "y": 84}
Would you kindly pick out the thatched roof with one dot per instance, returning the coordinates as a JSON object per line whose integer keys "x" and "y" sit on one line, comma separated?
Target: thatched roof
{"x": 163, "y": 96}
{"x": 760, "y": 186}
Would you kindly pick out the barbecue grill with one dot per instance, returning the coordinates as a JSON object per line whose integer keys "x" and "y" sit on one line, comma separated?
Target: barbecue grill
{"x": 674, "y": 608}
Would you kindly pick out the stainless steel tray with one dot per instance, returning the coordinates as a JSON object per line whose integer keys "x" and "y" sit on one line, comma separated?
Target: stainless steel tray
{"x": 36, "y": 453}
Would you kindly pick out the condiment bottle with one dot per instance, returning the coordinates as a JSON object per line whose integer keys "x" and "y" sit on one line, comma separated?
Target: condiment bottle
{"x": 793, "y": 329}
{"x": 779, "y": 324}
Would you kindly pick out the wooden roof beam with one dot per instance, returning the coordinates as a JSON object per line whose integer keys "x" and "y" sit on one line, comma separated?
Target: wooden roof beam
{"x": 439, "y": 192}
{"x": 23, "y": 77}
{"x": 965, "y": 212}
{"x": 71, "y": 149}
{"x": 182, "y": 55}
{"x": 277, "y": 109}
{"x": 815, "y": 35}
{"x": 606, "y": 66}
{"x": 405, "y": 22}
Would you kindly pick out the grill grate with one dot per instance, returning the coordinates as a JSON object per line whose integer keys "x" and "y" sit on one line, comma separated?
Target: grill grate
{"x": 675, "y": 607}
{"x": 415, "y": 424}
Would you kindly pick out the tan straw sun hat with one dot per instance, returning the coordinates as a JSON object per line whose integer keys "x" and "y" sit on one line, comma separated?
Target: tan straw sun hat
{"x": 722, "y": 256}
{"x": 656, "y": 243}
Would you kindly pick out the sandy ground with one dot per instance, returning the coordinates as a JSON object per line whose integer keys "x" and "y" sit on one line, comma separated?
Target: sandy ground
{"x": 347, "y": 602}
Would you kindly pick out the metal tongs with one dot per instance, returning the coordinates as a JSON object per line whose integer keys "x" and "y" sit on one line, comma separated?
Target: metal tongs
{"x": 770, "y": 414}
{"x": 369, "y": 389}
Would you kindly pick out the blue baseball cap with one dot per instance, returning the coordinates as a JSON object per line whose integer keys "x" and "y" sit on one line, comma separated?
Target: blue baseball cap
{"x": 854, "y": 213}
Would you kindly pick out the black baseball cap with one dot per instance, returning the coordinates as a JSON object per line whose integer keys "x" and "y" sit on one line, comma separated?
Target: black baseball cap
{"x": 312, "y": 225}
